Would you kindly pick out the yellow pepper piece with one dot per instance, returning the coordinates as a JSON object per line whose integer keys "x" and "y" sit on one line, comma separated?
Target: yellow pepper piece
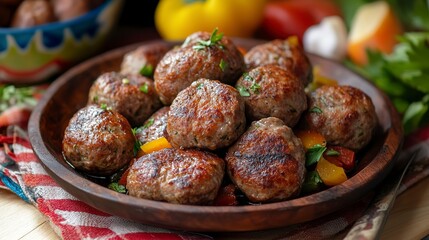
{"x": 177, "y": 19}
{"x": 321, "y": 80}
{"x": 330, "y": 173}
{"x": 155, "y": 145}
{"x": 310, "y": 138}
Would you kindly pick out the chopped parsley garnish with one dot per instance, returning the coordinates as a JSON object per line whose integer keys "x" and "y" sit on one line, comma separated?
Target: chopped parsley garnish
{"x": 223, "y": 65}
{"x": 332, "y": 153}
{"x": 95, "y": 99}
{"x": 125, "y": 81}
{"x": 105, "y": 107}
{"x": 316, "y": 109}
{"x": 200, "y": 86}
{"x": 144, "y": 88}
{"x": 146, "y": 70}
{"x": 313, "y": 154}
{"x": 255, "y": 87}
{"x": 149, "y": 123}
{"x": 117, "y": 187}
{"x": 243, "y": 91}
{"x": 215, "y": 39}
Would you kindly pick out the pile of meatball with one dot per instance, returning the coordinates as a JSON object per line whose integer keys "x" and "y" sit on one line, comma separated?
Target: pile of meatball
{"x": 229, "y": 116}
{"x": 29, "y": 13}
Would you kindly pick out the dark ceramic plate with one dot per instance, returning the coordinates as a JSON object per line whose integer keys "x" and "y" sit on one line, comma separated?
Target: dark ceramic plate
{"x": 69, "y": 93}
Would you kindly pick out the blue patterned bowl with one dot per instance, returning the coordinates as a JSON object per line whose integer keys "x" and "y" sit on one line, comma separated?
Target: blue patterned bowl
{"x": 31, "y": 55}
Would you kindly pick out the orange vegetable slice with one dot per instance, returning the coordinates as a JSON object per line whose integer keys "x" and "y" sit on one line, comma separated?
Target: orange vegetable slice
{"x": 310, "y": 138}
{"x": 330, "y": 173}
{"x": 155, "y": 145}
{"x": 374, "y": 26}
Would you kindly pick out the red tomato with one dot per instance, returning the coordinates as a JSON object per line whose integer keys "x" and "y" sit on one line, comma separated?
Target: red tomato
{"x": 292, "y": 17}
{"x": 340, "y": 156}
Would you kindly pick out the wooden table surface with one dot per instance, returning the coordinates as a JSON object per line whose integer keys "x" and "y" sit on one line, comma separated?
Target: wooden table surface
{"x": 408, "y": 219}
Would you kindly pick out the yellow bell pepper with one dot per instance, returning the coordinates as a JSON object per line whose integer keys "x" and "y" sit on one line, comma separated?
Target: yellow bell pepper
{"x": 176, "y": 19}
{"x": 330, "y": 173}
{"x": 155, "y": 145}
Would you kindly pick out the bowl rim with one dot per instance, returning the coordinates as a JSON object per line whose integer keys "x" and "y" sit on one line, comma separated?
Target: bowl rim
{"x": 57, "y": 24}
{"x": 393, "y": 133}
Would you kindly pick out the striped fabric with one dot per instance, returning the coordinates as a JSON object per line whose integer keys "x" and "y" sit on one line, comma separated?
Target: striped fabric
{"x": 22, "y": 173}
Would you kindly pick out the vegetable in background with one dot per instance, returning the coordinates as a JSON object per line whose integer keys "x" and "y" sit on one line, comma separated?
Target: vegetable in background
{"x": 176, "y": 19}
{"x": 287, "y": 18}
{"x": 404, "y": 76}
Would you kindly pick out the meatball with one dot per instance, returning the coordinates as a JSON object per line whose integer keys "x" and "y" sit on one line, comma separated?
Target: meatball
{"x": 97, "y": 141}
{"x": 155, "y": 127}
{"x": 267, "y": 163}
{"x": 182, "y": 66}
{"x": 144, "y": 59}
{"x": 176, "y": 176}
{"x": 33, "y": 12}
{"x": 343, "y": 114}
{"x": 208, "y": 114}
{"x": 272, "y": 91}
{"x": 286, "y": 53}
{"x": 133, "y": 96}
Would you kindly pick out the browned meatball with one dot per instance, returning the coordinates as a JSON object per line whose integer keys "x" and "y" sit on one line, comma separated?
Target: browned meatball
{"x": 155, "y": 127}
{"x": 33, "y": 12}
{"x": 343, "y": 114}
{"x": 273, "y": 91}
{"x": 98, "y": 141}
{"x": 133, "y": 96}
{"x": 268, "y": 162}
{"x": 286, "y": 53}
{"x": 184, "y": 65}
{"x": 176, "y": 176}
{"x": 208, "y": 114}
{"x": 144, "y": 59}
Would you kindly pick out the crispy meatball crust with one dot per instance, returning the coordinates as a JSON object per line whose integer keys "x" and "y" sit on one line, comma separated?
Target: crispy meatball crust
{"x": 133, "y": 96}
{"x": 267, "y": 162}
{"x": 155, "y": 127}
{"x": 184, "y": 65}
{"x": 274, "y": 92}
{"x": 208, "y": 114}
{"x": 343, "y": 114}
{"x": 286, "y": 53}
{"x": 177, "y": 176}
{"x": 144, "y": 56}
{"x": 97, "y": 141}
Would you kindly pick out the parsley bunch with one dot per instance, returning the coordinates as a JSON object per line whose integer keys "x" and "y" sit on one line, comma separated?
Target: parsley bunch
{"x": 404, "y": 76}
{"x": 16, "y": 96}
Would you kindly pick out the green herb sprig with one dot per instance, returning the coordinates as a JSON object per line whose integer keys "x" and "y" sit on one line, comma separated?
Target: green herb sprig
{"x": 214, "y": 40}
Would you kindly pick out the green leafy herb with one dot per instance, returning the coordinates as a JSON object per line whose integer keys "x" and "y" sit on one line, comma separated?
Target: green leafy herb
{"x": 403, "y": 75}
{"x": 146, "y": 70}
{"x": 17, "y": 96}
{"x": 316, "y": 109}
{"x": 313, "y": 154}
{"x": 95, "y": 99}
{"x": 149, "y": 123}
{"x": 200, "y": 86}
{"x": 312, "y": 182}
{"x": 105, "y": 107}
{"x": 255, "y": 87}
{"x": 144, "y": 88}
{"x": 125, "y": 81}
{"x": 243, "y": 91}
{"x": 215, "y": 39}
{"x": 223, "y": 65}
{"x": 117, "y": 187}
{"x": 137, "y": 143}
{"x": 247, "y": 77}
{"x": 332, "y": 153}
